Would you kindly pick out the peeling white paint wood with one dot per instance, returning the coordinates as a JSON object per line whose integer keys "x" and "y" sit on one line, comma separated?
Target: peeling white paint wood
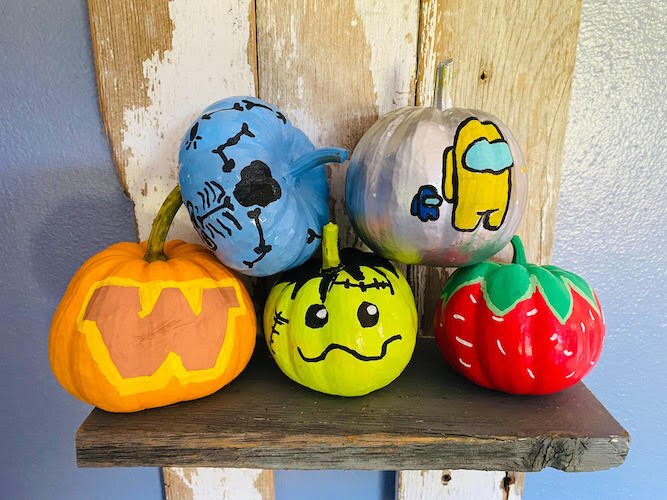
{"x": 158, "y": 65}
{"x": 189, "y": 483}
{"x": 456, "y": 484}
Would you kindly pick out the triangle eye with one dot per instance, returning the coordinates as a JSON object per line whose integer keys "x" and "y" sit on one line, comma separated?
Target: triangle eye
{"x": 317, "y": 316}
{"x": 368, "y": 314}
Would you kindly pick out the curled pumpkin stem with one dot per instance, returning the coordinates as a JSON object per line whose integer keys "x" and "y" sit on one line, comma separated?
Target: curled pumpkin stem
{"x": 161, "y": 225}
{"x": 316, "y": 158}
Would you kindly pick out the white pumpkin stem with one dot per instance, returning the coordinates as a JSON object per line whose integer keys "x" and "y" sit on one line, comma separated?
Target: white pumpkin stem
{"x": 442, "y": 98}
{"x": 330, "y": 257}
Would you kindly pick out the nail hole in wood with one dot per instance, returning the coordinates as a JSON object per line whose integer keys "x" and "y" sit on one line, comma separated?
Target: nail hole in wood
{"x": 507, "y": 482}
{"x": 483, "y": 76}
{"x": 446, "y": 478}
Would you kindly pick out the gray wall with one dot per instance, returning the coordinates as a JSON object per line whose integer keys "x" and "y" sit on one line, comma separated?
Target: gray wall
{"x": 611, "y": 229}
{"x": 61, "y": 203}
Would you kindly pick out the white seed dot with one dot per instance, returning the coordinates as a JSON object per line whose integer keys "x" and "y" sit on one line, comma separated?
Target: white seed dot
{"x": 463, "y": 342}
{"x": 497, "y": 318}
{"x": 553, "y": 337}
{"x": 472, "y": 299}
{"x": 530, "y": 372}
{"x": 590, "y": 313}
{"x": 467, "y": 365}
{"x": 570, "y": 375}
{"x": 583, "y": 327}
{"x": 459, "y": 317}
{"x": 500, "y": 346}
{"x": 532, "y": 312}
{"x": 592, "y": 363}
{"x": 568, "y": 353}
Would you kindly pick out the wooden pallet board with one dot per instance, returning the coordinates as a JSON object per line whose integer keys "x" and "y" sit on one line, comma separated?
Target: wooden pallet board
{"x": 429, "y": 418}
{"x": 334, "y": 69}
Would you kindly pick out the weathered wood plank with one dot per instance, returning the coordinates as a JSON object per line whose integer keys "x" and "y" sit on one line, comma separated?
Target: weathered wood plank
{"x": 516, "y": 59}
{"x": 158, "y": 65}
{"x": 199, "y": 483}
{"x": 333, "y": 67}
{"x": 429, "y": 418}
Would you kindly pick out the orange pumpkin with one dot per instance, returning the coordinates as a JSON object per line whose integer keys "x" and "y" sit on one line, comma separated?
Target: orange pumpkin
{"x": 143, "y": 325}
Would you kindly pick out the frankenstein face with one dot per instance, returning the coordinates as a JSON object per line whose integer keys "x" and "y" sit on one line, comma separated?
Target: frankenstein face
{"x": 347, "y": 330}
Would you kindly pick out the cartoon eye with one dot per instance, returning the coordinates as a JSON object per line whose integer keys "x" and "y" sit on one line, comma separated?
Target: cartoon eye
{"x": 368, "y": 314}
{"x": 316, "y": 316}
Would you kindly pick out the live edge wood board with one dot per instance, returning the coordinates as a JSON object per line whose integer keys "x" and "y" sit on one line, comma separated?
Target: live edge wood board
{"x": 333, "y": 67}
{"x": 430, "y": 415}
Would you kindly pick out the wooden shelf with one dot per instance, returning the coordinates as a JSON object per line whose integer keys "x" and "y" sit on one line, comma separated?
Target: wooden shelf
{"x": 429, "y": 418}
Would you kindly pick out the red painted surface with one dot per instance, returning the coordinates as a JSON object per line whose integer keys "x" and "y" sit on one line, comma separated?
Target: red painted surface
{"x": 526, "y": 351}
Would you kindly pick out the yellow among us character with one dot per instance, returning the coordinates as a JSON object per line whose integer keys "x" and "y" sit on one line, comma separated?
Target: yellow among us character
{"x": 476, "y": 176}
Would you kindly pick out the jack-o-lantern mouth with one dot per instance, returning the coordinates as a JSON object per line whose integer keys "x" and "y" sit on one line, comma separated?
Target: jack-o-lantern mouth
{"x": 349, "y": 350}
{"x": 139, "y": 343}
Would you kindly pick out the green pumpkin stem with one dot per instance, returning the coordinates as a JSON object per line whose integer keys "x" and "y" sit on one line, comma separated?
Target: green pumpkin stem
{"x": 443, "y": 83}
{"x": 330, "y": 256}
{"x": 519, "y": 251}
{"x": 161, "y": 225}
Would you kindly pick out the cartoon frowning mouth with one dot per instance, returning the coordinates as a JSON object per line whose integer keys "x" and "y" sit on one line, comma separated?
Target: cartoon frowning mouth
{"x": 349, "y": 350}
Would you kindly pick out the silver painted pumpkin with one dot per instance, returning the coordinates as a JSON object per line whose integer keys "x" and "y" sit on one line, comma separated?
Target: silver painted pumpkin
{"x": 436, "y": 186}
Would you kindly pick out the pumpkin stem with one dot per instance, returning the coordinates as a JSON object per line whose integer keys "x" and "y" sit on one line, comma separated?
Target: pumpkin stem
{"x": 316, "y": 158}
{"x": 443, "y": 83}
{"x": 330, "y": 256}
{"x": 519, "y": 251}
{"x": 161, "y": 225}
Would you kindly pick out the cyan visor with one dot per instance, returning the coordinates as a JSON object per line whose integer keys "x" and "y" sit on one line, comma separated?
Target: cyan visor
{"x": 485, "y": 156}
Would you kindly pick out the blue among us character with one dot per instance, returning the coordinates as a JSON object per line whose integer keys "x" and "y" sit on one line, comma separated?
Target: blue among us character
{"x": 426, "y": 204}
{"x": 254, "y": 186}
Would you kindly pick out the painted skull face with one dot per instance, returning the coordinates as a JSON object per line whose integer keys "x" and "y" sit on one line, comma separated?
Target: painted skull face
{"x": 346, "y": 330}
{"x": 254, "y": 186}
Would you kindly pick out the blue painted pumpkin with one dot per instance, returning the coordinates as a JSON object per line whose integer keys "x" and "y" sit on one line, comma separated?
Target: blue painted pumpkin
{"x": 255, "y": 186}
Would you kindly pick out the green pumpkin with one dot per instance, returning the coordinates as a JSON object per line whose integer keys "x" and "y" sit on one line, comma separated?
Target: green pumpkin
{"x": 346, "y": 326}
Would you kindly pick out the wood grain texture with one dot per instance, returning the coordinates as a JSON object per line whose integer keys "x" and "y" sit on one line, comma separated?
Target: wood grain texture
{"x": 515, "y": 59}
{"x": 159, "y": 64}
{"x": 429, "y": 418}
{"x": 456, "y": 484}
{"x": 333, "y": 67}
{"x": 199, "y": 483}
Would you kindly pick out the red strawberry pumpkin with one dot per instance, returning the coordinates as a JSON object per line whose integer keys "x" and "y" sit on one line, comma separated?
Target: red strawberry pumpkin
{"x": 519, "y": 328}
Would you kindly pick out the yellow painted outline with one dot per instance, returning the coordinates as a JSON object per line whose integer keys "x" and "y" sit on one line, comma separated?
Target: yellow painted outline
{"x": 173, "y": 364}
